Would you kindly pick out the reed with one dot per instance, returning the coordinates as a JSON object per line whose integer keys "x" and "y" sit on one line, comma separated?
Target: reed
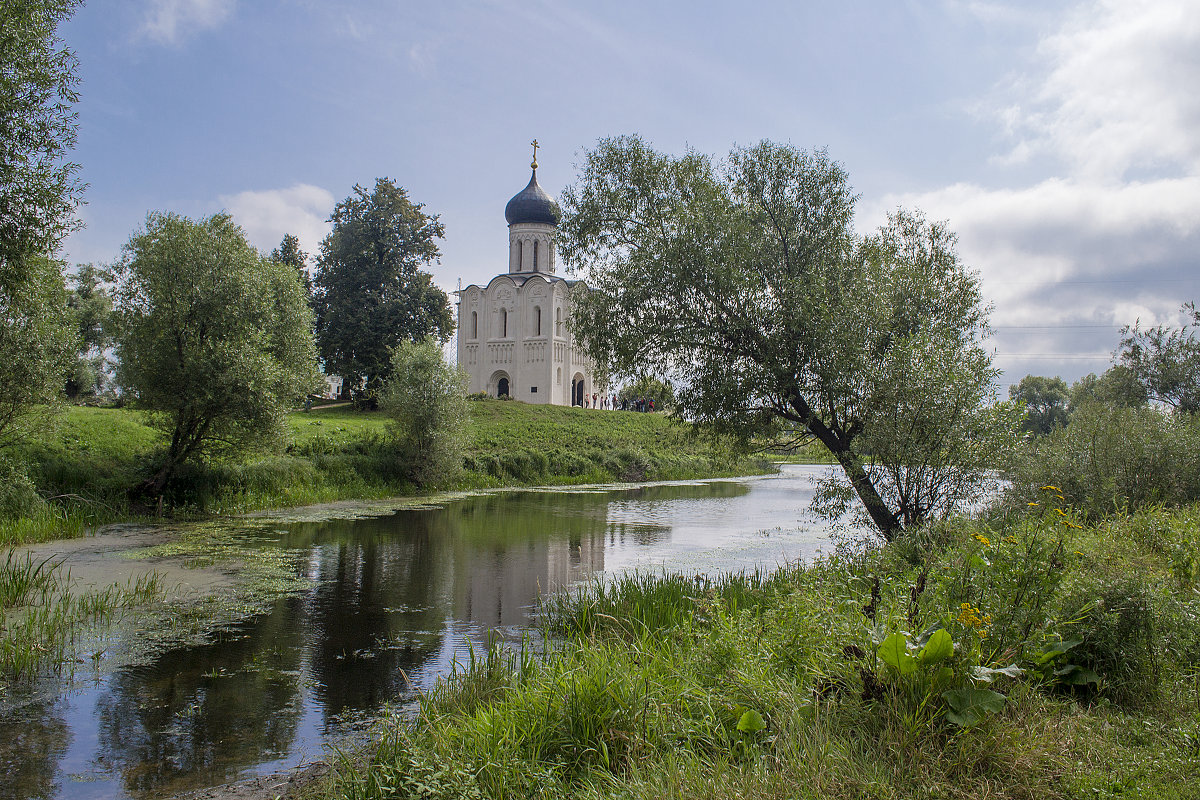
{"x": 42, "y": 617}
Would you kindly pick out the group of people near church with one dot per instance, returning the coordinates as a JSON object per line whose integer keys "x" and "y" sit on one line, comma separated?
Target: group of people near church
{"x": 606, "y": 402}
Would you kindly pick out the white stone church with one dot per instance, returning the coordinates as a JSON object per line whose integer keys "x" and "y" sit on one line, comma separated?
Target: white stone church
{"x": 512, "y": 334}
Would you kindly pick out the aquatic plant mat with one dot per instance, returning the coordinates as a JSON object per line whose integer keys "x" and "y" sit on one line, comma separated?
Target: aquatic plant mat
{"x": 1031, "y": 656}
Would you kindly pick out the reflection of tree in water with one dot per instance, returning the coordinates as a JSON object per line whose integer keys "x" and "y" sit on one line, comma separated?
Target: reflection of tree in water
{"x": 31, "y": 742}
{"x": 686, "y": 491}
{"x": 376, "y": 610}
{"x": 198, "y": 715}
{"x": 386, "y": 588}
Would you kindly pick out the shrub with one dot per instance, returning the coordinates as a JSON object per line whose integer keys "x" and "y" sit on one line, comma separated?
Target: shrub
{"x": 1119, "y": 637}
{"x": 1112, "y": 458}
{"x": 425, "y": 399}
{"x": 17, "y": 493}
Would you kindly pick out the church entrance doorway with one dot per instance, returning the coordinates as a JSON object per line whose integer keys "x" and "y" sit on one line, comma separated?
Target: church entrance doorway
{"x": 500, "y": 385}
{"x": 577, "y": 390}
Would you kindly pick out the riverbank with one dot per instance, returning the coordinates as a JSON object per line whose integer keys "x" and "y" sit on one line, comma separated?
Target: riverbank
{"x": 95, "y": 455}
{"x": 1029, "y": 656}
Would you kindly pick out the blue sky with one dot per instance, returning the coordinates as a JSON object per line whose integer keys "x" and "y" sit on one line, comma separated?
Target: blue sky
{"x": 1061, "y": 141}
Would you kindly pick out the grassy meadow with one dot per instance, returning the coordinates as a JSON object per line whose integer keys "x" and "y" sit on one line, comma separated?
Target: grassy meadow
{"x": 86, "y": 465}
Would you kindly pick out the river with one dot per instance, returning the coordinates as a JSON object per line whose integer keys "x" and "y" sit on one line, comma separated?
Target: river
{"x": 365, "y": 609}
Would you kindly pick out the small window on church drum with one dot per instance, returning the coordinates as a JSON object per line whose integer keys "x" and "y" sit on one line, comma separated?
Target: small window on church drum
{"x": 503, "y": 323}
{"x": 537, "y": 321}
{"x": 474, "y": 324}
{"x": 535, "y": 244}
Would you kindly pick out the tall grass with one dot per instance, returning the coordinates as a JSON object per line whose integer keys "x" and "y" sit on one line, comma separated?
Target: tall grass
{"x": 41, "y": 616}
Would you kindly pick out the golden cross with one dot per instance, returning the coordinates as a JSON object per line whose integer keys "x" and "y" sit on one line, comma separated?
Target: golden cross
{"x": 535, "y": 147}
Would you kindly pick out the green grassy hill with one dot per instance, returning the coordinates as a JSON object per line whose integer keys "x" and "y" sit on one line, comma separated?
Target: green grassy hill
{"x": 94, "y": 455}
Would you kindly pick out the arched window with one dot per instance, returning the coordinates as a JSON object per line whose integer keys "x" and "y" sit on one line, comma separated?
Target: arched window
{"x": 535, "y": 255}
{"x": 474, "y": 324}
{"x": 558, "y": 322}
{"x": 503, "y": 323}
{"x": 517, "y": 254}
{"x": 537, "y": 314}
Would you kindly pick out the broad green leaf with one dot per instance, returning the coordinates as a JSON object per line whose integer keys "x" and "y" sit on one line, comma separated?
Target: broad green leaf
{"x": 930, "y": 631}
{"x": 1055, "y": 649}
{"x": 1075, "y": 675}
{"x": 751, "y": 722}
{"x": 969, "y": 707}
{"x": 987, "y": 674}
{"x": 894, "y": 653}
{"x": 939, "y": 647}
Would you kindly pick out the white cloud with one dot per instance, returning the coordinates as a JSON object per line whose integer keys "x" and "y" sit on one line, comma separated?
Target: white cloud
{"x": 1110, "y": 235}
{"x": 1028, "y": 241}
{"x": 1116, "y": 93}
{"x": 172, "y": 21}
{"x": 301, "y": 210}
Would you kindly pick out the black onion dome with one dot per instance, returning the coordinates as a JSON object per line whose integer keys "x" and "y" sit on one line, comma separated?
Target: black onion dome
{"x": 531, "y": 204}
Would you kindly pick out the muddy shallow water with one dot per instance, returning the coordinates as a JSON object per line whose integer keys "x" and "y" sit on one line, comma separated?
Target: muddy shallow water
{"x": 288, "y": 633}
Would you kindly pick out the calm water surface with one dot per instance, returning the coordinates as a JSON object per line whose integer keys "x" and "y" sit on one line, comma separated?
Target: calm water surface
{"x": 392, "y": 602}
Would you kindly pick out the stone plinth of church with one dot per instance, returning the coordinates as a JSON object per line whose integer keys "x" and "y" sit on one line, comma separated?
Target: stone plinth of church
{"x": 513, "y": 337}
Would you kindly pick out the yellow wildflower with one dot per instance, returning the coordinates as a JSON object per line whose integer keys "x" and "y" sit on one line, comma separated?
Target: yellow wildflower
{"x": 1049, "y": 488}
{"x": 979, "y": 537}
{"x": 1061, "y": 512}
{"x": 1031, "y": 504}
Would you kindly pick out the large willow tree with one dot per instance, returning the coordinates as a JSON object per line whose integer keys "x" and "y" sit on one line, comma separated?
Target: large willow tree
{"x": 746, "y": 283}
{"x": 215, "y": 339}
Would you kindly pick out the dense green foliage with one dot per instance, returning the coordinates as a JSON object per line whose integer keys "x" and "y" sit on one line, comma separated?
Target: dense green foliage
{"x": 1165, "y": 361}
{"x": 289, "y": 253}
{"x": 38, "y": 196}
{"x": 37, "y": 346}
{"x": 371, "y": 293}
{"x": 92, "y": 311}
{"x": 337, "y": 453}
{"x": 1045, "y": 400}
{"x": 965, "y": 660}
{"x": 425, "y": 399}
{"x": 38, "y": 187}
{"x": 1117, "y": 386}
{"x": 1114, "y": 458}
{"x": 747, "y": 285}
{"x": 648, "y": 387}
{"x": 214, "y": 338}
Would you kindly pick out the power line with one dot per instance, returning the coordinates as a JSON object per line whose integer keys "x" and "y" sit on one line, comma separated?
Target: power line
{"x": 1142, "y": 281}
{"x": 1051, "y": 327}
{"x": 1105, "y": 357}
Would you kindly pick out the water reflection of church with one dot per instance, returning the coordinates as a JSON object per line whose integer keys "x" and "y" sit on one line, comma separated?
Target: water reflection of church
{"x": 513, "y": 336}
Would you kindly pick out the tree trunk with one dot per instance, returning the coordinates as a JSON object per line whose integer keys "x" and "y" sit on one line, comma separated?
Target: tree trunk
{"x": 883, "y": 518}
{"x": 838, "y": 443}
